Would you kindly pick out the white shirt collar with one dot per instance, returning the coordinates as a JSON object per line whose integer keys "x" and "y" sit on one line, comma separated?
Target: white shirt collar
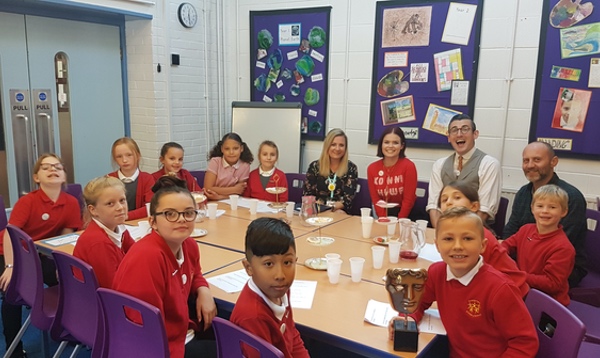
{"x": 466, "y": 279}
{"x": 180, "y": 258}
{"x": 278, "y": 311}
{"x": 115, "y": 236}
{"x": 133, "y": 177}
{"x": 265, "y": 173}
{"x": 466, "y": 157}
{"x": 225, "y": 164}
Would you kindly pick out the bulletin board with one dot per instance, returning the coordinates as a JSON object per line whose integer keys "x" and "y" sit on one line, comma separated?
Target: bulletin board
{"x": 424, "y": 67}
{"x": 567, "y": 92}
{"x": 289, "y": 62}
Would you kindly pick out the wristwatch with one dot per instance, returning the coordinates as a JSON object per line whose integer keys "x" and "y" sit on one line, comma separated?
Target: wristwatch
{"x": 8, "y": 266}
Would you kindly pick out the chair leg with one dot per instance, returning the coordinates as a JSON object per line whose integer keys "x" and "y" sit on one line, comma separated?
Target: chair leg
{"x": 76, "y": 351}
{"x": 46, "y": 344}
{"x": 17, "y": 339}
{"x": 60, "y": 349}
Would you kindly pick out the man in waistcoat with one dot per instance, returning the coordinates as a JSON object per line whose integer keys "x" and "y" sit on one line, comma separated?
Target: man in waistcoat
{"x": 538, "y": 164}
{"x": 469, "y": 164}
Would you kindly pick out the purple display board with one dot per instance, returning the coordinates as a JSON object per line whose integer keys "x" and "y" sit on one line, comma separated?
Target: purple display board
{"x": 289, "y": 62}
{"x": 424, "y": 67}
{"x": 567, "y": 96}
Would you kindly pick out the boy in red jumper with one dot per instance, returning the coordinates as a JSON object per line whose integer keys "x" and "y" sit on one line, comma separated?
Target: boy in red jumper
{"x": 543, "y": 249}
{"x": 263, "y": 306}
{"x": 481, "y": 309}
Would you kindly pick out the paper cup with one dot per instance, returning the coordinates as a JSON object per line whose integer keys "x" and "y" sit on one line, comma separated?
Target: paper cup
{"x": 356, "y": 268}
{"x": 422, "y": 224}
{"x": 365, "y": 212}
{"x": 391, "y": 227}
{"x": 233, "y": 200}
{"x": 289, "y": 209}
{"x": 212, "y": 210}
{"x": 332, "y": 256}
{"x": 253, "y": 206}
{"x": 377, "y": 252}
{"x": 394, "y": 251}
{"x": 334, "y": 266}
{"x": 367, "y": 224}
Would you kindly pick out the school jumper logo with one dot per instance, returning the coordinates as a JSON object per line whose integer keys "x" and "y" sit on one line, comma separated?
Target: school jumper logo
{"x": 474, "y": 308}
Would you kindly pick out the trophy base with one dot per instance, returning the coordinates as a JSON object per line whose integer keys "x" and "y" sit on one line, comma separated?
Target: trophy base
{"x": 406, "y": 336}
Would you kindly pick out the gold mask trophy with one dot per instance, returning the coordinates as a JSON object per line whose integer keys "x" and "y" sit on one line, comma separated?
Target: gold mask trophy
{"x": 405, "y": 287}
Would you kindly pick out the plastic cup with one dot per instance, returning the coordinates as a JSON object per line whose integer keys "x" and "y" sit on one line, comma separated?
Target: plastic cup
{"x": 391, "y": 227}
{"x": 289, "y": 209}
{"x": 253, "y": 206}
{"x": 394, "y": 251}
{"x": 367, "y": 224}
{"x": 365, "y": 212}
{"x": 212, "y": 210}
{"x": 356, "y": 268}
{"x": 377, "y": 252}
{"x": 422, "y": 224}
{"x": 233, "y": 200}
{"x": 334, "y": 266}
{"x": 332, "y": 256}
{"x": 148, "y": 209}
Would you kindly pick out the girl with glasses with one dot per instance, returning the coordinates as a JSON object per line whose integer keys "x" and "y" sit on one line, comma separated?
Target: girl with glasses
{"x": 43, "y": 213}
{"x": 163, "y": 268}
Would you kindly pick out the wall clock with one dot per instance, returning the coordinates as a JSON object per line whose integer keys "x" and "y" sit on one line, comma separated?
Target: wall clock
{"x": 187, "y": 14}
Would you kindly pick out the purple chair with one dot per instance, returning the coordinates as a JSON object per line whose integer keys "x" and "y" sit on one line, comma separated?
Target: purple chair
{"x": 199, "y": 175}
{"x": 362, "y": 199}
{"x": 3, "y": 218}
{"x": 76, "y": 191}
{"x": 559, "y": 331}
{"x": 590, "y": 316}
{"x": 119, "y": 336}
{"x": 77, "y": 299}
{"x": 588, "y": 290}
{"x": 230, "y": 338}
{"x": 419, "y": 211}
{"x": 588, "y": 350}
{"x": 295, "y": 185}
{"x": 26, "y": 287}
{"x": 500, "y": 218}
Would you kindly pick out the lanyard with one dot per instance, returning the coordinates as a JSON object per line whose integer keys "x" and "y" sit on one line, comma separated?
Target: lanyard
{"x": 331, "y": 185}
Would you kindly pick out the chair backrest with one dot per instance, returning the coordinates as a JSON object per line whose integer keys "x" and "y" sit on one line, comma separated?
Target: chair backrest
{"x": 362, "y": 199}
{"x": 500, "y": 218}
{"x": 598, "y": 203}
{"x": 76, "y": 191}
{"x": 199, "y": 175}
{"x": 560, "y": 332}
{"x": 26, "y": 286}
{"x": 295, "y": 184}
{"x": 130, "y": 327}
{"x": 418, "y": 211}
{"x": 77, "y": 299}
{"x": 3, "y": 218}
{"x": 592, "y": 240}
{"x": 230, "y": 338}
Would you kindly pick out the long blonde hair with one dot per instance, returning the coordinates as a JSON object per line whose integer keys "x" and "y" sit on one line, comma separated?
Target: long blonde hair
{"x": 325, "y": 162}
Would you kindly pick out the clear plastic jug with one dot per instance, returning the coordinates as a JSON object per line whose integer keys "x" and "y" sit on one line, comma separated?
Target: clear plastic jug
{"x": 308, "y": 209}
{"x": 412, "y": 239}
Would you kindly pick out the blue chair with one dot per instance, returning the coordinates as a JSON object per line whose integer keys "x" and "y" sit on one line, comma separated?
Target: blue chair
{"x": 418, "y": 211}
{"x": 500, "y": 219}
{"x": 230, "y": 339}
{"x": 295, "y": 184}
{"x": 362, "y": 199}
{"x": 199, "y": 175}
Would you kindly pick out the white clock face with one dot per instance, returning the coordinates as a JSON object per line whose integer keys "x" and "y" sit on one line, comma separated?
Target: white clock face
{"x": 187, "y": 15}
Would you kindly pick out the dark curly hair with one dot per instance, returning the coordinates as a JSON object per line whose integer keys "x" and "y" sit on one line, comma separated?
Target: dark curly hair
{"x": 246, "y": 155}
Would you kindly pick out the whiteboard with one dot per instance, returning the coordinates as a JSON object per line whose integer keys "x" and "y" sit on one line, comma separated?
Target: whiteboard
{"x": 279, "y": 122}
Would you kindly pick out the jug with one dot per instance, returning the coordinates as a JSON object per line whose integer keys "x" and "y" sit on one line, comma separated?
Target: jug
{"x": 201, "y": 199}
{"x": 412, "y": 238}
{"x": 308, "y": 209}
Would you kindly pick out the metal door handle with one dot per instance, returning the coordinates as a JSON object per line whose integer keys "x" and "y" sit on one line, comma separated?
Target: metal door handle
{"x": 28, "y": 136}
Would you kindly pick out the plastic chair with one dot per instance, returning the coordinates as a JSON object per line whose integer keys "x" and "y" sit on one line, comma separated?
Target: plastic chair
{"x": 560, "y": 332}
{"x": 76, "y": 191}
{"x": 500, "y": 218}
{"x": 588, "y": 350}
{"x": 588, "y": 290}
{"x": 295, "y": 185}
{"x": 119, "y": 336}
{"x": 26, "y": 287}
{"x": 230, "y": 338}
{"x": 3, "y": 218}
{"x": 590, "y": 316}
{"x": 362, "y": 199}
{"x": 199, "y": 175}
{"x": 418, "y": 211}
{"x": 77, "y": 299}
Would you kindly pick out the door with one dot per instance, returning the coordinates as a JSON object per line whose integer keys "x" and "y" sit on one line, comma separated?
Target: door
{"x": 69, "y": 72}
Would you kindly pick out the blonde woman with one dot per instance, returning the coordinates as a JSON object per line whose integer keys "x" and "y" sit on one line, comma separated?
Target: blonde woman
{"x": 332, "y": 179}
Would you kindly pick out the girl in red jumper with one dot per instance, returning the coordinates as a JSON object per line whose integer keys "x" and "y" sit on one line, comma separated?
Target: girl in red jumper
{"x": 266, "y": 175}
{"x": 105, "y": 241}
{"x": 138, "y": 184}
{"x": 171, "y": 159}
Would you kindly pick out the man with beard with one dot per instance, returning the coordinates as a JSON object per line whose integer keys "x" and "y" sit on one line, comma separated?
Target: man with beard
{"x": 469, "y": 164}
{"x": 539, "y": 161}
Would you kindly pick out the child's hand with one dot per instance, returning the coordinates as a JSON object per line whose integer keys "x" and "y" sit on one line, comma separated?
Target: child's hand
{"x": 5, "y": 278}
{"x": 240, "y": 187}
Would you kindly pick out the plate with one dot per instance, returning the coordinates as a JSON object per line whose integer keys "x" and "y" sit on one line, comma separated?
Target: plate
{"x": 383, "y": 204}
{"x": 276, "y": 190}
{"x": 321, "y": 220}
{"x": 381, "y": 240}
{"x": 392, "y": 221}
{"x": 199, "y": 233}
{"x": 320, "y": 240}
{"x": 316, "y": 263}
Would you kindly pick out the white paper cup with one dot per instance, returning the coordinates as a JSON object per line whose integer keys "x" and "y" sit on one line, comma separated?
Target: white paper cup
{"x": 356, "y": 268}
{"x": 391, "y": 227}
{"x": 394, "y": 251}
{"x": 212, "y": 210}
{"x": 253, "y": 206}
{"x": 334, "y": 266}
{"x": 422, "y": 224}
{"x": 289, "y": 209}
{"x": 332, "y": 256}
{"x": 377, "y": 252}
{"x": 148, "y": 209}
{"x": 367, "y": 224}
{"x": 233, "y": 200}
{"x": 365, "y": 212}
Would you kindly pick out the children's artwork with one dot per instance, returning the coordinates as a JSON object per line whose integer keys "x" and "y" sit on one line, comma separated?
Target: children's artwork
{"x": 419, "y": 72}
{"x": 565, "y": 73}
{"x": 583, "y": 40}
{"x": 459, "y": 21}
{"x": 438, "y": 118}
{"x": 408, "y": 26}
{"x": 594, "y": 79}
{"x": 567, "y": 13}
{"x": 392, "y": 84}
{"x": 448, "y": 67}
{"x": 571, "y": 109}
{"x": 398, "y": 110}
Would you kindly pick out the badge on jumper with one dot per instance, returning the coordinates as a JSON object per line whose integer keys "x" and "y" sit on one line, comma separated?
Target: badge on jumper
{"x": 381, "y": 173}
{"x": 282, "y": 328}
{"x": 331, "y": 186}
{"x": 45, "y": 216}
{"x": 184, "y": 278}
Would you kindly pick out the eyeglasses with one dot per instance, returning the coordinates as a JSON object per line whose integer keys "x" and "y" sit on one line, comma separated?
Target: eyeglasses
{"x": 463, "y": 130}
{"x": 174, "y": 215}
{"x": 47, "y": 166}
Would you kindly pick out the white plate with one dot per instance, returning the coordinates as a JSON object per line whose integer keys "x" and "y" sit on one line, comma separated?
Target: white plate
{"x": 199, "y": 233}
{"x": 320, "y": 220}
{"x": 381, "y": 240}
{"x": 320, "y": 240}
{"x": 276, "y": 190}
{"x": 316, "y": 263}
{"x": 392, "y": 221}
{"x": 383, "y": 204}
